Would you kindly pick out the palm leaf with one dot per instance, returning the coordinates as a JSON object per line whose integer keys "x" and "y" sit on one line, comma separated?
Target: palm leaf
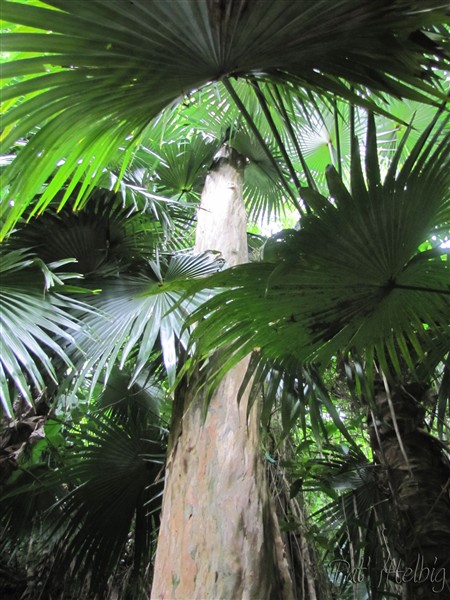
{"x": 185, "y": 163}
{"x": 32, "y": 318}
{"x": 106, "y": 236}
{"x": 129, "y": 308}
{"x": 264, "y": 193}
{"x": 133, "y": 313}
{"x": 74, "y": 482}
{"x": 295, "y": 391}
{"x": 115, "y": 476}
{"x": 188, "y": 138}
{"x": 97, "y": 72}
{"x": 353, "y": 277}
{"x": 354, "y": 520}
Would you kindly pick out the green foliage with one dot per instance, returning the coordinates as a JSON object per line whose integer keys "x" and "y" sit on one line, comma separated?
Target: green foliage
{"x": 116, "y": 110}
{"x": 133, "y": 313}
{"x": 130, "y": 304}
{"x": 104, "y": 238}
{"x": 86, "y": 79}
{"x": 95, "y": 485}
{"x": 355, "y": 275}
{"x": 33, "y": 318}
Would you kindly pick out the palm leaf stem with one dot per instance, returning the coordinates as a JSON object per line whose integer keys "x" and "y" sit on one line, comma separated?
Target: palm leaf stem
{"x": 352, "y": 114}
{"x": 263, "y": 103}
{"x": 338, "y": 137}
{"x": 255, "y": 130}
{"x": 290, "y": 130}
{"x": 421, "y": 289}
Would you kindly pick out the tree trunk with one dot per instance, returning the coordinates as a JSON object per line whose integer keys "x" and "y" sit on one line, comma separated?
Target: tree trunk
{"x": 416, "y": 478}
{"x": 219, "y": 536}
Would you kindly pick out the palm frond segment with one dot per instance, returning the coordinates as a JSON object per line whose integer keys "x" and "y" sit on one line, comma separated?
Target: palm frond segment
{"x": 105, "y": 237}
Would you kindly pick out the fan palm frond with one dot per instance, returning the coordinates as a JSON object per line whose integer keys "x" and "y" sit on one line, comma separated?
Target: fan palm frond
{"x": 192, "y": 134}
{"x": 186, "y": 162}
{"x": 91, "y": 493}
{"x": 358, "y": 275}
{"x": 95, "y": 74}
{"x": 298, "y": 393}
{"x": 136, "y": 312}
{"x": 353, "y": 522}
{"x": 104, "y": 235}
{"x": 357, "y": 523}
{"x": 116, "y": 470}
{"x": 32, "y": 318}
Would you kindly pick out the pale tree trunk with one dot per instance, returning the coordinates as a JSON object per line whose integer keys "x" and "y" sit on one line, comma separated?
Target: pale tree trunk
{"x": 219, "y": 536}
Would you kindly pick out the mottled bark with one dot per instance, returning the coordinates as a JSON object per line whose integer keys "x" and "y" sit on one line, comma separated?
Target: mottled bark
{"x": 219, "y": 536}
{"x": 416, "y": 478}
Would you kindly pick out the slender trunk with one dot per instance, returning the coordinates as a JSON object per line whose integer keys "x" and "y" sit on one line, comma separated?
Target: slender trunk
{"x": 219, "y": 536}
{"x": 417, "y": 480}
{"x": 310, "y": 579}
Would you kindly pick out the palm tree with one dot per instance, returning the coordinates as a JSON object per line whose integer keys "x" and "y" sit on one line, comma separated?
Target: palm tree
{"x": 305, "y": 308}
{"x": 106, "y": 71}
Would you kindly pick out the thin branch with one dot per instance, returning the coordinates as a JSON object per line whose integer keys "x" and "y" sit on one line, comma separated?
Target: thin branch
{"x": 395, "y": 424}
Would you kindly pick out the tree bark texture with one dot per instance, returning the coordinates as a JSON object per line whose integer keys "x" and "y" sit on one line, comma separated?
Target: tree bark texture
{"x": 416, "y": 478}
{"x": 219, "y": 536}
